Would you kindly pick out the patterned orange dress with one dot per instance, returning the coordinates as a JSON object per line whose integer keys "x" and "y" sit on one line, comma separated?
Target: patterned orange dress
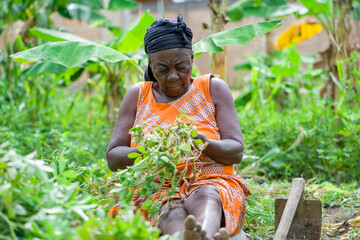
{"x": 199, "y": 108}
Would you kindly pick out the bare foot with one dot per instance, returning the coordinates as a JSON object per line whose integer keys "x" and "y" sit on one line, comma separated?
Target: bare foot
{"x": 193, "y": 231}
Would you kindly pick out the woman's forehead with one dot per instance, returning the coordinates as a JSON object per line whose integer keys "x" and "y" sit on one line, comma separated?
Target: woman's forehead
{"x": 171, "y": 54}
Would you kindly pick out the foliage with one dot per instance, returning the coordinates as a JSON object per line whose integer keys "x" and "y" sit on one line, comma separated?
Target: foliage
{"x": 235, "y": 36}
{"x": 69, "y": 54}
{"x": 155, "y": 164}
{"x": 263, "y": 9}
{"x": 51, "y": 202}
{"x": 38, "y": 12}
{"x": 289, "y": 129}
{"x": 310, "y": 142}
{"x": 286, "y": 77}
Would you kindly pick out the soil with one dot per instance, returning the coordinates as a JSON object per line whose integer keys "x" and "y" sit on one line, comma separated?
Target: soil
{"x": 335, "y": 224}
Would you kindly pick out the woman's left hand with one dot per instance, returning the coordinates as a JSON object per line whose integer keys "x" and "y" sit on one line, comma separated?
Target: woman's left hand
{"x": 202, "y": 137}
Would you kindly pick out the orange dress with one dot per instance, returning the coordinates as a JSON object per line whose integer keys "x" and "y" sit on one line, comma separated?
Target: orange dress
{"x": 199, "y": 108}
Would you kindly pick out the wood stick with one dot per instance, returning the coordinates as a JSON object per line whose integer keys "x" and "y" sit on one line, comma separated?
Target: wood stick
{"x": 297, "y": 189}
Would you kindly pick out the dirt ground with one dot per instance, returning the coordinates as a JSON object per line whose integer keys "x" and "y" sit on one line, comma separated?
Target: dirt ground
{"x": 336, "y": 222}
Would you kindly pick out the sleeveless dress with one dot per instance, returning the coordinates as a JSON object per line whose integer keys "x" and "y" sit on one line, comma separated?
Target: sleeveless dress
{"x": 199, "y": 108}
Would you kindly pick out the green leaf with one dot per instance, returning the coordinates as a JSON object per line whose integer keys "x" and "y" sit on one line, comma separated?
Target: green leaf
{"x": 235, "y": 36}
{"x": 336, "y": 81}
{"x": 153, "y": 210}
{"x": 133, "y": 36}
{"x": 44, "y": 67}
{"x": 85, "y": 13}
{"x": 235, "y": 11}
{"x": 268, "y": 9}
{"x": 147, "y": 204}
{"x": 94, "y": 4}
{"x": 333, "y": 188}
{"x": 133, "y": 155}
{"x": 194, "y": 134}
{"x": 185, "y": 147}
{"x": 274, "y": 2}
{"x": 317, "y": 6}
{"x": 69, "y": 54}
{"x": 155, "y": 186}
{"x": 138, "y": 159}
{"x": 122, "y": 4}
{"x": 71, "y": 174}
{"x": 269, "y": 155}
{"x": 243, "y": 67}
{"x": 141, "y": 149}
{"x": 274, "y": 11}
{"x": 51, "y": 35}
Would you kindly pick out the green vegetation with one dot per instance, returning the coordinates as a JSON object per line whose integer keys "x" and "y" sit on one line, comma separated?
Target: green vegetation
{"x": 160, "y": 151}
{"x": 54, "y": 180}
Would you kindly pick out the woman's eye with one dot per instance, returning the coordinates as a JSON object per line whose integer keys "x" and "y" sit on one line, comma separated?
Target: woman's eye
{"x": 181, "y": 66}
{"x": 162, "y": 70}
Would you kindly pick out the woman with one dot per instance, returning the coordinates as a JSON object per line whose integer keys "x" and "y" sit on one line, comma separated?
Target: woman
{"x": 216, "y": 198}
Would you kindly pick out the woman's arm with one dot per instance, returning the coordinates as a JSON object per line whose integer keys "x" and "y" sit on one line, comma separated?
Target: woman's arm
{"x": 229, "y": 150}
{"x": 119, "y": 144}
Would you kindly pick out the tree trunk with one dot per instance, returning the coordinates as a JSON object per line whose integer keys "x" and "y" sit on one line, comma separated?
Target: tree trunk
{"x": 343, "y": 41}
{"x": 218, "y": 21}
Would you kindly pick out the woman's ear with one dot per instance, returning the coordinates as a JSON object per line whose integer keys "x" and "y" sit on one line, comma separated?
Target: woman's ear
{"x": 192, "y": 56}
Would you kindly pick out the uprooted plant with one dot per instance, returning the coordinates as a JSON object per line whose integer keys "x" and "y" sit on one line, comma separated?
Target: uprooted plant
{"x": 160, "y": 148}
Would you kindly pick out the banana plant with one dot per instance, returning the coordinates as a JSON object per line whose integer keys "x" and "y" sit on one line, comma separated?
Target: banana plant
{"x": 114, "y": 60}
{"x": 102, "y": 61}
{"x": 268, "y": 9}
{"x": 278, "y": 78}
{"x": 35, "y": 15}
{"x": 338, "y": 18}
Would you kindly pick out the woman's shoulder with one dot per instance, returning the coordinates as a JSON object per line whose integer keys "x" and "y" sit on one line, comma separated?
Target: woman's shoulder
{"x": 131, "y": 96}
{"x": 133, "y": 90}
{"x": 218, "y": 84}
{"x": 218, "y": 89}
{"x": 211, "y": 80}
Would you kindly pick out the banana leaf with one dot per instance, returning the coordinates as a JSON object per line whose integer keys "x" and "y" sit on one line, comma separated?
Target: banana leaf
{"x": 317, "y": 6}
{"x": 235, "y": 36}
{"x": 94, "y": 4}
{"x": 69, "y": 53}
{"x": 269, "y": 9}
{"x": 86, "y": 13}
{"x": 275, "y": 11}
{"x": 51, "y": 35}
{"x": 122, "y": 4}
{"x": 44, "y": 67}
{"x": 133, "y": 36}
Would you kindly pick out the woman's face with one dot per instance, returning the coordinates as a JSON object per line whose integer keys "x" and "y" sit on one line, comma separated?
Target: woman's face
{"x": 172, "y": 70}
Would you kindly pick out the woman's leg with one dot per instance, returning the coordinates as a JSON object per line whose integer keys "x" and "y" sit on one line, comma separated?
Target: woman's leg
{"x": 205, "y": 205}
{"x": 172, "y": 217}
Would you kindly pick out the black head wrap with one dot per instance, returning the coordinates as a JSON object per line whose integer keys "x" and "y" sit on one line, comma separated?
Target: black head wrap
{"x": 165, "y": 34}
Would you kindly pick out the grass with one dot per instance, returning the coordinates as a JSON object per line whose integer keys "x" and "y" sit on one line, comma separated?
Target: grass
{"x": 312, "y": 142}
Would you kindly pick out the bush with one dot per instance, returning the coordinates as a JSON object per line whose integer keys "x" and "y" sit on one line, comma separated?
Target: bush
{"x": 39, "y": 201}
{"x": 314, "y": 142}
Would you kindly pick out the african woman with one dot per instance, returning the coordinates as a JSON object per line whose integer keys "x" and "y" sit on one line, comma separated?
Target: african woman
{"x": 213, "y": 205}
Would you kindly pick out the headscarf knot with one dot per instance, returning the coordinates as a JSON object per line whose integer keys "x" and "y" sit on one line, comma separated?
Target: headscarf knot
{"x": 181, "y": 28}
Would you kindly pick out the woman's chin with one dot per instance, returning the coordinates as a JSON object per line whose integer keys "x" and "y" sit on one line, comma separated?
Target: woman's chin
{"x": 175, "y": 91}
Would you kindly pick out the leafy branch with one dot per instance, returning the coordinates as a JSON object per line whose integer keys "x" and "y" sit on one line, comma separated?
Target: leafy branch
{"x": 161, "y": 149}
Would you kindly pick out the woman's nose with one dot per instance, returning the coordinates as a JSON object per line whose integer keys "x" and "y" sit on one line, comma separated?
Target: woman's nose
{"x": 173, "y": 76}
